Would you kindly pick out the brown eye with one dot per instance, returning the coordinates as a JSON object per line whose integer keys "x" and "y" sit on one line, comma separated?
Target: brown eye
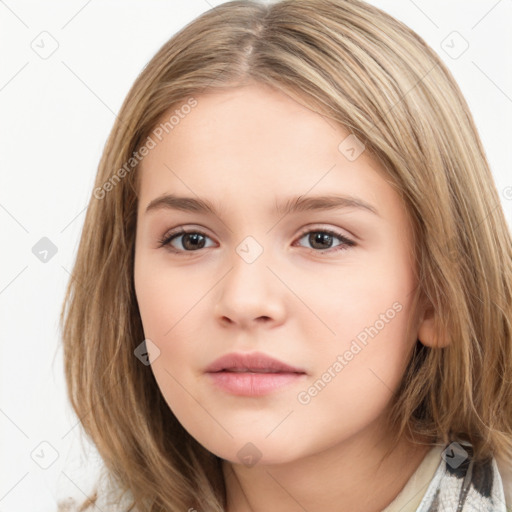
{"x": 188, "y": 241}
{"x": 322, "y": 240}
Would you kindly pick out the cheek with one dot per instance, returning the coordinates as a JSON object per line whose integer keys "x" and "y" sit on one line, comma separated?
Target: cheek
{"x": 168, "y": 306}
{"x": 358, "y": 369}
{"x": 355, "y": 377}
{"x": 172, "y": 305}
{"x": 367, "y": 364}
{"x": 347, "y": 303}
{"x": 165, "y": 297}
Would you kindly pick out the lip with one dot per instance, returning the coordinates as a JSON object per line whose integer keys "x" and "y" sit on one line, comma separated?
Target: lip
{"x": 253, "y": 374}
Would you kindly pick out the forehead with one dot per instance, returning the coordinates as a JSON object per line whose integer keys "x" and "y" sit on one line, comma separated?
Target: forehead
{"x": 254, "y": 143}
{"x": 250, "y": 121}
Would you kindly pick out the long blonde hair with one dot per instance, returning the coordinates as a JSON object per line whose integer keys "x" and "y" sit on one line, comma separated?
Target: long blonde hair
{"x": 369, "y": 73}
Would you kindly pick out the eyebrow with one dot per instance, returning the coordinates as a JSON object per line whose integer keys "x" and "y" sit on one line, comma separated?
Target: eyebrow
{"x": 291, "y": 205}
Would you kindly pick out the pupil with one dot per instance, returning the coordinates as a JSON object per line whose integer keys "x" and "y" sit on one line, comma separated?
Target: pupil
{"x": 320, "y": 238}
{"x": 193, "y": 238}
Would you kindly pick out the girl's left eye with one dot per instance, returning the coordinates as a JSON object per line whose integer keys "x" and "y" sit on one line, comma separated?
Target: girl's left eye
{"x": 326, "y": 236}
{"x": 194, "y": 240}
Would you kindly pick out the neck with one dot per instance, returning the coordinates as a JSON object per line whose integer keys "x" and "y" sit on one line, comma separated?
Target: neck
{"x": 352, "y": 475}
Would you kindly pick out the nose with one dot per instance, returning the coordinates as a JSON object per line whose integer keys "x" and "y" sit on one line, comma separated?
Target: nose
{"x": 250, "y": 295}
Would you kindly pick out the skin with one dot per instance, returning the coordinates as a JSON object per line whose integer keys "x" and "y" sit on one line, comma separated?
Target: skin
{"x": 245, "y": 149}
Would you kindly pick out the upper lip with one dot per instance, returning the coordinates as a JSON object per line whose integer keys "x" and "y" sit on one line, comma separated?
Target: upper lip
{"x": 255, "y": 361}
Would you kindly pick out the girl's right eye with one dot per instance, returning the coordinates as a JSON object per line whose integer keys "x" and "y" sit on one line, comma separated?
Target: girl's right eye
{"x": 191, "y": 240}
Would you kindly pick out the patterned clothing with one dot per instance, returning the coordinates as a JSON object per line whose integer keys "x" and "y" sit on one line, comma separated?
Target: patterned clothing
{"x": 449, "y": 480}
{"x": 464, "y": 486}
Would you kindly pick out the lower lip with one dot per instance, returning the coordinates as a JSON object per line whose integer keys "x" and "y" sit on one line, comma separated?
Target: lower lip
{"x": 253, "y": 384}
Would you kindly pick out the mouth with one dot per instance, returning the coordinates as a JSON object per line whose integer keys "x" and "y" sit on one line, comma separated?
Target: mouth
{"x": 255, "y": 362}
{"x": 251, "y": 370}
{"x": 252, "y": 374}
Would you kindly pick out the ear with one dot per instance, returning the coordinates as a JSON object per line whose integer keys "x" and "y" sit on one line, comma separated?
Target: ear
{"x": 426, "y": 330}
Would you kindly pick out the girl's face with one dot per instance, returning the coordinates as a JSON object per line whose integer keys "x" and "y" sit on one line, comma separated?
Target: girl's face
{"x": 325, "y": 288}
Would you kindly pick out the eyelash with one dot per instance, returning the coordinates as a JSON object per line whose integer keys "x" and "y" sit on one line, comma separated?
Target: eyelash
{"x": 344, "y": 245}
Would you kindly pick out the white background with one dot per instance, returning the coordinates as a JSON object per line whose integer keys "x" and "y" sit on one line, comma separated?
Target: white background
{"x": 56, "y": 114}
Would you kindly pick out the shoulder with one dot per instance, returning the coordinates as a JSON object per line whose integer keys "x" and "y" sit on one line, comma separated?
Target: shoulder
{"x": 105, "y": 498}
{"x": 505, "y": 470}
{"x": 102, "y": 503}
{"x": 461, "y": 483}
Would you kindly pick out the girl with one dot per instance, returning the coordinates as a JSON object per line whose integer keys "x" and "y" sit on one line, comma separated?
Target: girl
{"x": 294, "y": 278}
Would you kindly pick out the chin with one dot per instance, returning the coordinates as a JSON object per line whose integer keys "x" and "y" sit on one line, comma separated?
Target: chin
{"x": 251, "y": 451}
